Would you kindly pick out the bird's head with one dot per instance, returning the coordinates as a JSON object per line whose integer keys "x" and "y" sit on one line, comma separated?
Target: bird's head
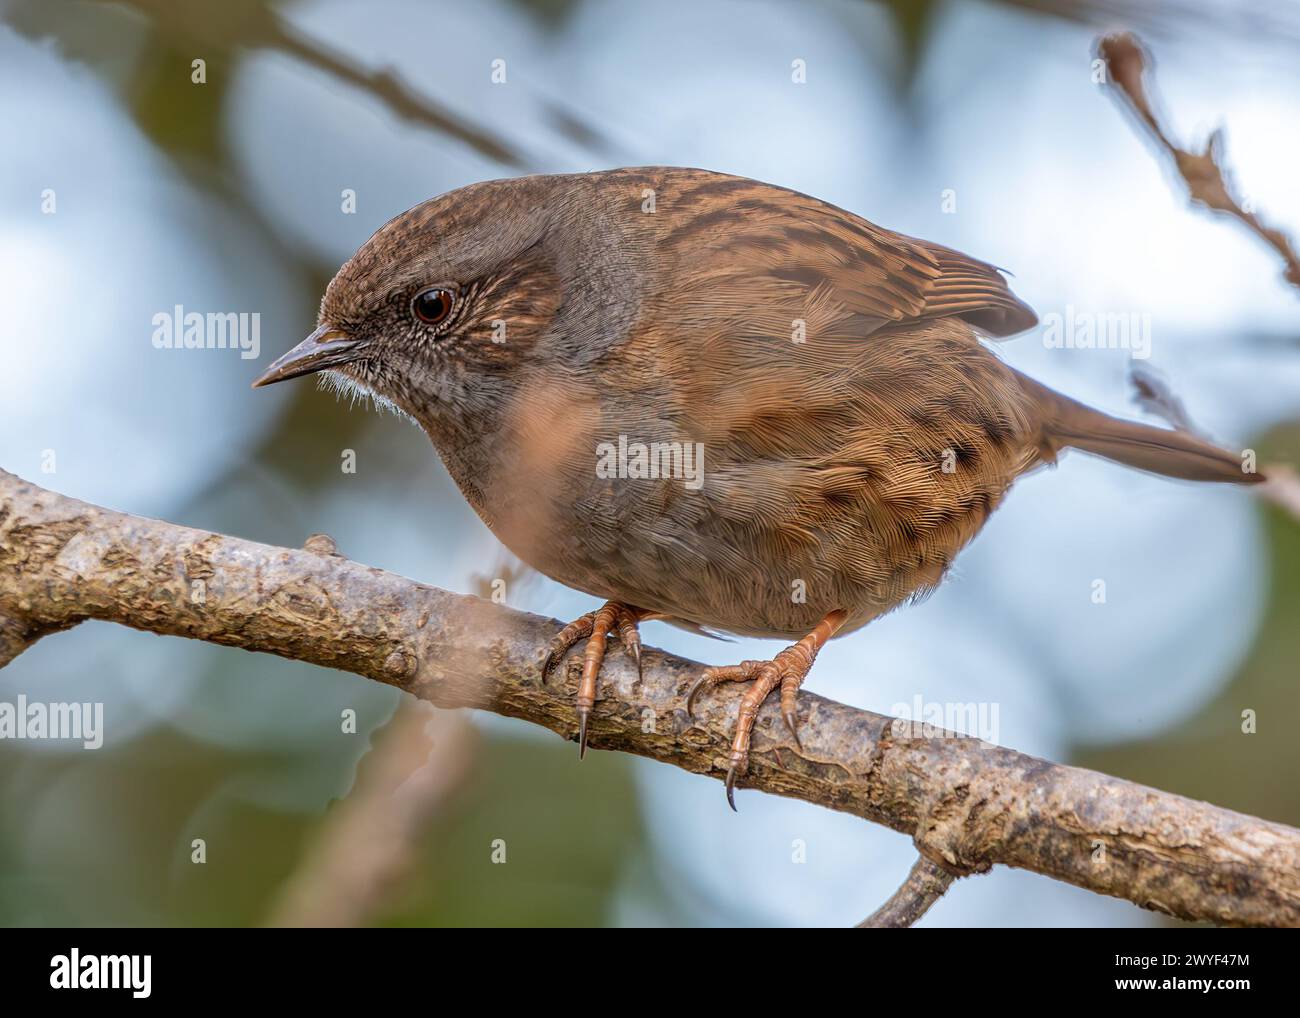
{"x": 441, "y": 308}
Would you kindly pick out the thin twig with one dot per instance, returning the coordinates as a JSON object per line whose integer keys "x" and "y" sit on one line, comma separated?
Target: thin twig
{"x": 388, "y": 86}
{"x": 925, "y": 884}
{"x": 1126, "y": 63}
{"x": 1282, "y": 488}
{"x": 207, "y": 29}
{"x": 1155, "y": 396}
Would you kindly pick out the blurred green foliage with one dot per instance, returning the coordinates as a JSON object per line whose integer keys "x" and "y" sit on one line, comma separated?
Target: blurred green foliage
{"x": 568, "y": 832}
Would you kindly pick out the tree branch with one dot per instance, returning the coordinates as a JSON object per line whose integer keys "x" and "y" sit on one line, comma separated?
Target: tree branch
{"x": 925, "y": 884}
{"x": 967, "y": 805}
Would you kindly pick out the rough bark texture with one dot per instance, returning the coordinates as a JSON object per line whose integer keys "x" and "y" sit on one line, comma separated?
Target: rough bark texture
{"x": 967, "y": 805}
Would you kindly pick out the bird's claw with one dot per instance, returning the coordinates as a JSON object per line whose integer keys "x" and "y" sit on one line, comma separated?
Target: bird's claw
{"x": 576, "y": 630}
{"x": 595, "y": 628}
{"x": 791, "y": 719}
{"x": 787, "y": 670}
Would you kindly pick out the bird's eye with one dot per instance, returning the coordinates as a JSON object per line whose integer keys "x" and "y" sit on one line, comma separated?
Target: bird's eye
{"x": 432, "y": 306}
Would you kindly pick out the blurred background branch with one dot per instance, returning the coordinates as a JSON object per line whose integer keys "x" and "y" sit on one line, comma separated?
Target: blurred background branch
{"x": 1127, "y": 61}
{"x": 369, "y": 841}
{"x": 219, "y": 33}
{"x": 1155, "y": 396}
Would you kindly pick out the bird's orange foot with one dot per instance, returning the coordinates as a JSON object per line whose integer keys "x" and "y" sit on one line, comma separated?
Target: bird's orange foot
{"x": 595, "y": 628}
{"x": 787, "y": 670}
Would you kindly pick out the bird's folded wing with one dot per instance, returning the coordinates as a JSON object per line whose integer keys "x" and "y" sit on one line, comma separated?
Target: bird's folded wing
{"x": 894, "y": 278}
{"x": 748, "y": 243}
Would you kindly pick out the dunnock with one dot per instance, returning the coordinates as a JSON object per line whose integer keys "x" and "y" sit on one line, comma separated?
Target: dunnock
{"x": 708, "y": 400}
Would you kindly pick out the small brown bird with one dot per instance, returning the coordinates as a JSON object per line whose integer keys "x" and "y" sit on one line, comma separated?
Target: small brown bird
{"x": 708, "y": 400}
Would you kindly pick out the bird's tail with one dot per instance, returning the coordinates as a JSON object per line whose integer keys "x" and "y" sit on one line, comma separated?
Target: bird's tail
{"x": 1067, "y": 422}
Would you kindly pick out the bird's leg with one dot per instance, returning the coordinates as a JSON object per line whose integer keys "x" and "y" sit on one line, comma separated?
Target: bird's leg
{"x": 595, "y": 627}
{"x": 787, "y": 670}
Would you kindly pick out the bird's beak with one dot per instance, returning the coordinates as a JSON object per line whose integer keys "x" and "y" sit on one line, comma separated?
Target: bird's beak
{"x": 325, "y": 348}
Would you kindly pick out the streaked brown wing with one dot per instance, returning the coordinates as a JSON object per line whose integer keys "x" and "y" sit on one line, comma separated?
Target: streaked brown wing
{"x": 971, "y": 289}
{"x": 743, "y": 227}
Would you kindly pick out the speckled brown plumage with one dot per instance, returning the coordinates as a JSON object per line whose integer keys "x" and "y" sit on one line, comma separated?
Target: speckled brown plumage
{"x": 856, "y": 434}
